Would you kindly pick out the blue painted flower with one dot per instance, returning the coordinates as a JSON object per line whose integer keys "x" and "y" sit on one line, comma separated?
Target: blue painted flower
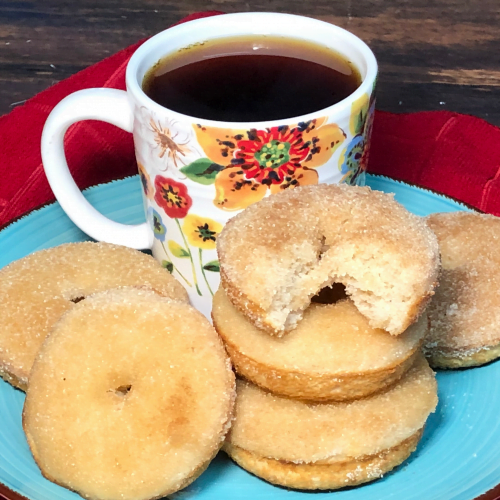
{"x": 160, "y": 231}
{"x": 351, "y": 156}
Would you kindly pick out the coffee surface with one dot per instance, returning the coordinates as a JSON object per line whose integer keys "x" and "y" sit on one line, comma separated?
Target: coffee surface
{"x": 247, "y": 79}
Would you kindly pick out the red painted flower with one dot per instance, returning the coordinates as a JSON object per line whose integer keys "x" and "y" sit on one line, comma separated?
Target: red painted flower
{"x": 268, "y": 156}
{"x": 254, "y": 162}
{"x": 172, "y": 196}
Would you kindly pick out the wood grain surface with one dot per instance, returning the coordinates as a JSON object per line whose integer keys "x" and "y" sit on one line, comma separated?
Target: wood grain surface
{"x": 433, "y": 54}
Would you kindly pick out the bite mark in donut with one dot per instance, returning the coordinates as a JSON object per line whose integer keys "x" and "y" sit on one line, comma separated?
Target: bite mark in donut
{"x": 277, "y": 254}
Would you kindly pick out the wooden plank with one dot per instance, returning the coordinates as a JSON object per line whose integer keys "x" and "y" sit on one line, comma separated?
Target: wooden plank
{"x": 430, "y": 51}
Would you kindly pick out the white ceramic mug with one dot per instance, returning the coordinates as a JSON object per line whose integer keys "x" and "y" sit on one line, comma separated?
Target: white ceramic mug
{"x": 190, "y": 186}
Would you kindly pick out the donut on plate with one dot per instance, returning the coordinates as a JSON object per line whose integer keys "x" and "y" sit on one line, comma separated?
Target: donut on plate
{"x": 129, "y": 397}
{"x": 35, "y": 292}
{"x": 464, "y": 315}
{"x": 333, "y": 354}
{"x": 279, "y": 252}
{"x": 330, "y": 445}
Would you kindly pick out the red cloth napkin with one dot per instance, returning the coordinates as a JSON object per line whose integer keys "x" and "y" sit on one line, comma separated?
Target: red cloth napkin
{"x": 454, "y": 154}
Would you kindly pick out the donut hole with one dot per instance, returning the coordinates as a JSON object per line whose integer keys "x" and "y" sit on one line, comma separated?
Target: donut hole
{"x": 123, "y": 390}
{"x": 330, "y": 294}
{"x": 74, "y": 294}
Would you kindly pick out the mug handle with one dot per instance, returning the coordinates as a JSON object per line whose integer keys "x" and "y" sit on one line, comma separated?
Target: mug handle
{"x": 107, "y": 105}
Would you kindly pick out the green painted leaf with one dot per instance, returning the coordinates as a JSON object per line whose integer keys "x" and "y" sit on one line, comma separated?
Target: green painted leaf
{"x": 168, "y": 266}
{"x": 212, "y": 266}
{"x": 202, "y": 171}
{"x": 360, "y": 121}
{"x": 177, "y": 250}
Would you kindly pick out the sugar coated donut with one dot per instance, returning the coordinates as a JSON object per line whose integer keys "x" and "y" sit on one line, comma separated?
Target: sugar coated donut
{"x": 129, "y": 397}
{"x": 35, "y": 291}
{"x": 330, "y": 445}
{"x": 281, "y": 251}
{"x": 464, "y": 315}
{"x": 333, "y": 354}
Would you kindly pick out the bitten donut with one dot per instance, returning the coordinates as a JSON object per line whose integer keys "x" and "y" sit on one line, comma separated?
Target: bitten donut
{"x": 35, "y": 291}
{"x": 330, "y": 445}
{"x": 333, "y": 354}
{"x": 130, "y": 397}
{"x": 464, "y": 315}
{"x": 281, "y": 251}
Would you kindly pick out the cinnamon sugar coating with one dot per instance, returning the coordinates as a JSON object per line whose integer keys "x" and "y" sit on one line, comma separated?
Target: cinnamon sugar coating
{"x": 278, "y": 253}
{"x": 37, "y": 290}
{"x": 130, "y": 397}
{"x": 324, "y": 476}
{"x": 333, "y": 354}
{"x": 464, "y": 315}
{"x": 284, "y": 429}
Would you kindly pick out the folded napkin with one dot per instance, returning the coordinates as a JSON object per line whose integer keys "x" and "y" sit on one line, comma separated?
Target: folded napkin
{"x": 454, "y": 154}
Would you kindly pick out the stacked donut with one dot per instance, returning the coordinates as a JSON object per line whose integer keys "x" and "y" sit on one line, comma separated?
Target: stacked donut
{"x": 332, "y": 393}
{"x": 129, "y": 391}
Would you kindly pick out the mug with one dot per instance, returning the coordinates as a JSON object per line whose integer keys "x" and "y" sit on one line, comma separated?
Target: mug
{"x": 191, "y": 168}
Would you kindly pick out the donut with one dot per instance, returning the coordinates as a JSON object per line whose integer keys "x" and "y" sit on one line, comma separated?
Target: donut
{"x": 330, "y": 445}
{"x": 333, "y": 354}
{"x": 279, "y": 252}
{"x": 35, "y": 291}
{"x": 464, "y": 315}
{"x": 129, "y": 397}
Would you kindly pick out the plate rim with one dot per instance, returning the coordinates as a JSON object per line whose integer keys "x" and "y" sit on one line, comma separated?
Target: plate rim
{"x": 7, "y": 493}
{"x": 18, "y": 218}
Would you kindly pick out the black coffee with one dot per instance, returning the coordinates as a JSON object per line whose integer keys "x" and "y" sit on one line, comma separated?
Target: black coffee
{"x": 245, "y": 79}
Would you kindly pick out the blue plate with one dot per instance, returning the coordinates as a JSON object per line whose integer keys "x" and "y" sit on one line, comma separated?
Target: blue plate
{"x": 458, "y": 457}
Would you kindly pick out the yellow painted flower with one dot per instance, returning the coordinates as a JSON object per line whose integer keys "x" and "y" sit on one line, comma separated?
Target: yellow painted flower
{"x": 277, "y": 158}
{"x": 324, "y": 139}
{"x": 359, "y": 112}
{"x": 200, "y": 231}
{"x": 233, "y": 191}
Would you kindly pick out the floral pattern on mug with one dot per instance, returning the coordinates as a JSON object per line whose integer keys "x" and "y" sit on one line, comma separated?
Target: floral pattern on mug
{"x": 171, "y": 144}
{"x": 172, "y": 197}
{"x": 202, "y": 233}
{"x": 367, "y": 133}
{"x": 159, "y": 229}
{"x": 354, "y": 157}
{"x": 145, "y": 181}
{"x": 160, "y": 233}
{"x": 245, "y": 164}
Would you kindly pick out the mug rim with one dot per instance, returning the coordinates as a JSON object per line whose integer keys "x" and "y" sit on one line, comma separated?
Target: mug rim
{"x": 134, "y": 87}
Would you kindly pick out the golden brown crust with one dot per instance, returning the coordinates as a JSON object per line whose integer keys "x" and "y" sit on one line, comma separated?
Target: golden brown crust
{"x": 276, "y": 255}
{"x": 332, "y": 355}
{"x": 248, "y": 308}
{"x": 452, "y": 359}
{"x": 37, "y": 290}
{"x": 464, "y": 315}
{"x": 130, "y": 396}
{"x": 9, "y": 377}
{"x": 183, "y": 484}
{"x": 321, "y": 387}
{"x": 321, "y": 476}
{"x": 286, "y": 429}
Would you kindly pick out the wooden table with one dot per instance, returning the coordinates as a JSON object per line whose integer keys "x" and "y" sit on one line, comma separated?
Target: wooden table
{"x": 433, "y": 54}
